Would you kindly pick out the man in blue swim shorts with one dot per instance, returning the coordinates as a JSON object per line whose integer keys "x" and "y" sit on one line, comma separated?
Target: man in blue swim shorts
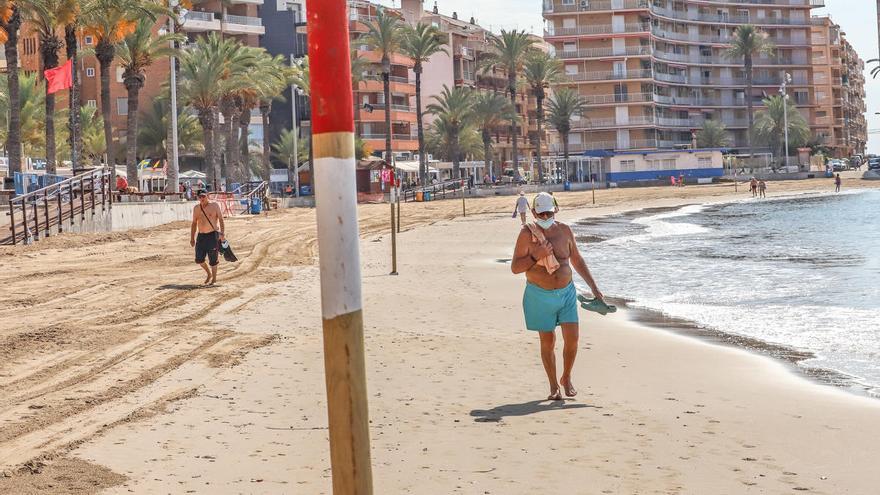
{"x": 546, "y": 252}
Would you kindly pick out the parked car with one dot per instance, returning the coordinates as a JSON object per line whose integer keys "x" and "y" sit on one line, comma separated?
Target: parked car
{"x": 874, "y": 163}
{"x": 837, "y": 165}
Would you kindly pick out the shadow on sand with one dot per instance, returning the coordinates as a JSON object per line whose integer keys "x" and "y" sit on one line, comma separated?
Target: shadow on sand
{"x": 184, "y": 287}
{"x": 498, "y": 413}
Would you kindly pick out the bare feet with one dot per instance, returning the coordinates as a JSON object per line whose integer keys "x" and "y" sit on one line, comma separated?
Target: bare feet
{"x": 208, "y": 280}
{"x": 555, "y": 395}
{"x": 213, "y": 280}
{"x": 570, "y": 391}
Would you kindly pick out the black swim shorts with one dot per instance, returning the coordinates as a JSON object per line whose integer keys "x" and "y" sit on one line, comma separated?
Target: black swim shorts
{"x": 208, "y": 245}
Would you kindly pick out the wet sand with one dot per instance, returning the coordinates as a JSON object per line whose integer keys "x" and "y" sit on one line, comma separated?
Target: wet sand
{"x": 114, "y": 359}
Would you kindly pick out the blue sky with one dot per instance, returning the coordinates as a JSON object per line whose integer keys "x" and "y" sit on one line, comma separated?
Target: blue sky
{"x": 860, "y": 27}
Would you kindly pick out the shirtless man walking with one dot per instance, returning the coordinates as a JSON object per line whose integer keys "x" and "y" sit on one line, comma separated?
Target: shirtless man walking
{"x": 206, "y": 219}
{"x": 550, "y": 298}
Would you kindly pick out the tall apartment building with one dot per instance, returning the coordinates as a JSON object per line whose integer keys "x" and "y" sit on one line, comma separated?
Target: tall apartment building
{"x": 653, "y": 71}
{"x": 838, "y": 78}
{"x": 467, "y": 44}
{"x": 369, "y": 97}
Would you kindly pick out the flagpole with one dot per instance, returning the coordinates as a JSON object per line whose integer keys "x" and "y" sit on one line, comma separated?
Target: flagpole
{"x": 338, "y": 247}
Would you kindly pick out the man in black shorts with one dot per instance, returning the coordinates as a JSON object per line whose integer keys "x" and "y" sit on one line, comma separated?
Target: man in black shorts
{"x": 208, "y": 222}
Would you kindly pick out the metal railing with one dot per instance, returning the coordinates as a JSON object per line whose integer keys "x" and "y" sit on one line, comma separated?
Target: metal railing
{"x": 597, "y": 29}
{"x": 605, "y": 52}
{"x": 593, "y": 5}
{"x": 243, "y": 20}
{"x": 37, "y": 214}
{"x": 609, "y": 75}
{"x": 437, "y": 191}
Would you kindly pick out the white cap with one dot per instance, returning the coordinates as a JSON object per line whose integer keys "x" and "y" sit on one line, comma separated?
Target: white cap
{"x": 543, "y": 203}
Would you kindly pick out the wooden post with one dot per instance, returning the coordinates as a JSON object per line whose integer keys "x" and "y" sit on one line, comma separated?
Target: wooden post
{"x": 82, "y": 198}
{"x": 46, "y": 211}
{"x": 92, "y": 180}
{"x": 60, "y": 208}
{"x": 12, "y": 220}
{"x": 463, "y": 208}
{"x": 70, "y": 199}
{"x": 338, "y": 247}
{"x": 36, "y": 221}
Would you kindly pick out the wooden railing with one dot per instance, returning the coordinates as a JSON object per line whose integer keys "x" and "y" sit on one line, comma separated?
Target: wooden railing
{"x": 44, "y": 211}
{"x": 438, "y": 190}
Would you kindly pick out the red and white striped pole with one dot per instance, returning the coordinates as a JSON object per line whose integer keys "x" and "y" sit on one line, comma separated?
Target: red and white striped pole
{"x": 339, "y": 256}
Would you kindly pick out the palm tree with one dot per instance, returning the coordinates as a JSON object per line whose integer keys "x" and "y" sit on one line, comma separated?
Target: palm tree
{"x": 10, "y": 24}
{"x": 712, "y": 135}
{"x": 490, "y": 111}
{"x": 454, "y": 111}
{"x": 770, "y": 125}
{"x": 749, "y": 42}
{"x": 541, "y": 70}
{"x": 562, "y": 106}
{"x": 47, "y": 17}
{"x": 109, "y": 21}
{"x": 300, "y": 75}
{"x": 420, "y": 43}
{"x": 358, "y": 67}
{"x": 31, "y": 103}
{"x": 447, "y": 141}
{"x": 509, "y": 53}
{"x": 92, "y": 135}
{"x": 287, "y": 147}
{"x": 385, "y": 35}
{"x": 204, "y": 69}
{"x": 153, "y": 124}
{"x": 137, "y": 51}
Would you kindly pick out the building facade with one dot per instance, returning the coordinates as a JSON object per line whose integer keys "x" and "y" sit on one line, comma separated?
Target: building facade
{"x": 838, "y": 76}
{"x": 654, "y": 71}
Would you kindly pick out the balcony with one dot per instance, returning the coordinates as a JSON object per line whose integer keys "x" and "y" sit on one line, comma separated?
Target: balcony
{"x": 609, "y": 75}
{"x": 618, "y": 98}
{"x": 240, "y": 24}
{"x": 632, "y": 51}
{"x": 601, "y": 29}
{"x": 683, "y": 15}
{"x": 197, "y": 22}
{"x": 700, "y": 59}
{"x": 723, "y": 81}
{"x": 246, "y": 2}
{"x": 561, "y": 6}
{"x": 720, "y": 40}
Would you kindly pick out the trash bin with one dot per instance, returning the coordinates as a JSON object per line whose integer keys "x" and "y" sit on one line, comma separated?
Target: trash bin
{"x": 256, "y": 206}
{"x": 566, "y": 186}
{"x": 427, "y": 196}
{"x": 420, "y": 196}
{"x": 305, "y": 190}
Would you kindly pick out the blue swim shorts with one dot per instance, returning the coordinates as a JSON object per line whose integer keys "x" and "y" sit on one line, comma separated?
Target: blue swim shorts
{"x": 546, "y": 309}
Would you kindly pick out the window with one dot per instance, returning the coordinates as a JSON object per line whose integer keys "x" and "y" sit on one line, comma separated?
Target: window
{"x": 90, "y": 72}
{"x": 89, "y": 40}
{"x": 627, "y": 165}
{"x": 669, "y": 163}
{"x": 92, "y": 103}
{"x": 704, "y": 161}
{"x": 121, "y": 106}
{"x": 119, "y": 72}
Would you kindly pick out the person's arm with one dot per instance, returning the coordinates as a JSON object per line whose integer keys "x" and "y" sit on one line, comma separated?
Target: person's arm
{"x": 220, "y": 222}
{"x": 527, "y": 253}
{"x": 580, "y": 266}
{"x": 192, "y": 228}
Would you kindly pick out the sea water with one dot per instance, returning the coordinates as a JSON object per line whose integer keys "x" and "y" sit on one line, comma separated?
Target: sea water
{"x": 800, "y": 271}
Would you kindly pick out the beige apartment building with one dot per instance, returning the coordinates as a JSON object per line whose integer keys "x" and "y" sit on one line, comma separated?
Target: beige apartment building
{"x": 654, "y": 71}
{"x": 838, "y": 77}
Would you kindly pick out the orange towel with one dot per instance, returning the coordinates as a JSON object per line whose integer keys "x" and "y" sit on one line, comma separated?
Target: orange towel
{"x": 550, "y": 263}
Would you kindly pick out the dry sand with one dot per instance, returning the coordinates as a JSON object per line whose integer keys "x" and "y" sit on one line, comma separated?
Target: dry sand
{"x": 121, "y": 375}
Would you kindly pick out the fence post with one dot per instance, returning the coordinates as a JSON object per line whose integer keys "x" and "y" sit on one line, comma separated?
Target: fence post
{"x": 36, "y": 221}
{"x": 12, "y": 220}
{"x": 46, "y": 211}
{"x": 60, "y": 208}
{"x": 82, "y": 198}
{"x": 92, "y": 180}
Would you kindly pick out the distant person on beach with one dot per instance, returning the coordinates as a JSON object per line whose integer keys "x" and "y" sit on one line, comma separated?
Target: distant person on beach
{"x": 546, "y": 252}
{"x": 121, "y": 183}
{"x": 522, "y": 207}
{"x": 837, "y": 182}
{"x": 206, "y": 219}
{"x": 762, "y": 189}
{"x": 753, "y": 186}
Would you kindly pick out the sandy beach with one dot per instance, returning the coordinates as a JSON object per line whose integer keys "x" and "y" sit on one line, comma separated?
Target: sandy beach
{"x": 122, "y": 375}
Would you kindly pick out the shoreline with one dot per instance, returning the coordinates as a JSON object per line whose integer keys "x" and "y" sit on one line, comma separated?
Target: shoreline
{"x": 787, "y": 354}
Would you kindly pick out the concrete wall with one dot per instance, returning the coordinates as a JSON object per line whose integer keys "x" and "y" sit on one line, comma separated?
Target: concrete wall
{"x": 127, "y": 216}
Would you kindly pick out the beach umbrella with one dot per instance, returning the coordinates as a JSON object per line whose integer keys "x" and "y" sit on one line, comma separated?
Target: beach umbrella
{"x": 338, "y": 246}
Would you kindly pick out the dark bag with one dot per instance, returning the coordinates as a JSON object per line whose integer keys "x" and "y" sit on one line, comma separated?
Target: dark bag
{"x": 223, "y": 246}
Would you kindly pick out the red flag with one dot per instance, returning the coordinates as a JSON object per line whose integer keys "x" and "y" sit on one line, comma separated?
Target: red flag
{"x": 59, "y": 78}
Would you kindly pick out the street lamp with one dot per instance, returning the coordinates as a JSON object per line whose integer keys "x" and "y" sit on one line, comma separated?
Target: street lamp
{"x": 782, "y": 89}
